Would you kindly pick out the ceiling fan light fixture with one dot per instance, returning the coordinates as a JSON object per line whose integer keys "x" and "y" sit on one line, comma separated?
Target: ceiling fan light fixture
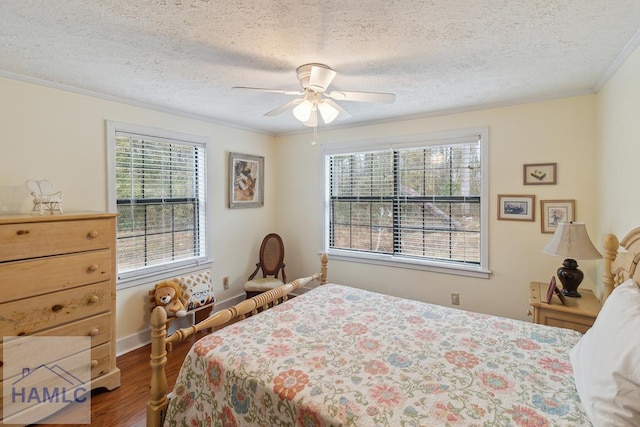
{"x": 303, "y": 110}
{"x": 328, "y": 112}
{"x": 313, "y": 119}
{"x": 315, "y": 79}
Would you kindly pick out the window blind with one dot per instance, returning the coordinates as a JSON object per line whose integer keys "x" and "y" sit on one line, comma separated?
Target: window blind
{"x": 418, "y": 202}
{"x": 160, "y": 200}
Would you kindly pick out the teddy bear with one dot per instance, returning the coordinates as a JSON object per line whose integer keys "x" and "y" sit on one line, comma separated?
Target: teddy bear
{"x": 167, "y": 295}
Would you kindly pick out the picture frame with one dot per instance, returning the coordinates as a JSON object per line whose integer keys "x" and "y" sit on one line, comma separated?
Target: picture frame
{"x": 539, "y": 174}
{"x": 516, "y": 207}
{"x": 561, "y": 296}
{"x": 246, "y": 181}
{"x": 553, "y": 212}
{"x": 552, "y": 289}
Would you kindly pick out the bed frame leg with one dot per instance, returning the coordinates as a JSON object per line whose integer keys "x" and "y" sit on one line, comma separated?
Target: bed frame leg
{"x": 158, "y": 401}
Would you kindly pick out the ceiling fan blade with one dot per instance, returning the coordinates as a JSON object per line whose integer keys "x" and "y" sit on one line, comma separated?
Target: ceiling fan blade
{"x": 281, "y": 109}
{"x": 341, "y": 95}
{"x": 260, "y": 89}
{"x": 321, "y": 78}
{"x": 342, "y": 113}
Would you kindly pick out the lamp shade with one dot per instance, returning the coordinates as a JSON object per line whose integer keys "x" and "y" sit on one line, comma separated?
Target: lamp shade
{"x": 312, "y": 121}
{"x": 303, "y": 110}
{"x": 571, "y": 241}
{"x": 327, "y": 111}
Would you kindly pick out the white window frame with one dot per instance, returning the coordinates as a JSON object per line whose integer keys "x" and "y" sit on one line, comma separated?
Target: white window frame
{"x": 160, "y": 272}
{"x": 436, "y": 138}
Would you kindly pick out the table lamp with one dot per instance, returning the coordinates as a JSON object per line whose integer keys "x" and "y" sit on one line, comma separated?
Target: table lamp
{"x": 572, "y": 242}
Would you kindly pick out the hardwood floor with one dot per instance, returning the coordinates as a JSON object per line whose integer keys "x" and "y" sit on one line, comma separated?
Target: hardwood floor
{"x": 126, "y": 406}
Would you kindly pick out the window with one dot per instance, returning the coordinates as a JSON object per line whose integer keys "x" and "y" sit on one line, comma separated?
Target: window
{"x": 421, "y": 203}
{"x": 158, "y": 189}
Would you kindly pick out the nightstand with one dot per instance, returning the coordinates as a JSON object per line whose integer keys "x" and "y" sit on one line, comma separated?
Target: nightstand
{"x": 579, "y": 313}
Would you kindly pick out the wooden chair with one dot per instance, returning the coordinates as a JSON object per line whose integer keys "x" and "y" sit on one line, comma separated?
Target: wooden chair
{"x": 271, "y": 263}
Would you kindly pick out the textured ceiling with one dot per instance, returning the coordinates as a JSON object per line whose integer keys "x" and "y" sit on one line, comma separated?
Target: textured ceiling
{"x": 184, "y": 56}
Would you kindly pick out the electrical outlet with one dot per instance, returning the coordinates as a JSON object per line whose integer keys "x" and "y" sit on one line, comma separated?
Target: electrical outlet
{"x": 455, "y": 299}
{"x": 225, "y": 283}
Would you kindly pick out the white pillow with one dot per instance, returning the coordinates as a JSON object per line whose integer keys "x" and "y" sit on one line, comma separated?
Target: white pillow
{"x": 606, "y": 361}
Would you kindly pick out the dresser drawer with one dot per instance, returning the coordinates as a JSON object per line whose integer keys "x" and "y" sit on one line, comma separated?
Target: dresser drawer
{"x": 100, "y": 360}
{"x": 35, "y": 239}
{"x": 24, "y": 279}
{"x": 45, "y": 311}
{"x": 100, "y": 365}
{"x": 96, "y": 327}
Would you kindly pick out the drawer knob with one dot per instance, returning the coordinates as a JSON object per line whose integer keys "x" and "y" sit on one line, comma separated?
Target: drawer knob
{"x": 93, "y": 299}
{"x": 56, "y": 308}
{"x": 92, "y": 234}
{"x": 22, "y": 232}
{"x": 94, "y": 363}
{"x": 94, "y": 332}
{"x": 93, "y": 267}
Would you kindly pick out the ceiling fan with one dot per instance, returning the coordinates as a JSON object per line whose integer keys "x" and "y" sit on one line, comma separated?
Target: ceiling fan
{"x": 315, "y": 79}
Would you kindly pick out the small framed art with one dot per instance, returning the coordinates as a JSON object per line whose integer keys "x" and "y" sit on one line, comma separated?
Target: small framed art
{"x": 554, "y": 212}
{"x": 246, "y": 181}
{"x": 539, "y": 174}
{"x": 516, "y": 207}
{"x": 553, "y": 289}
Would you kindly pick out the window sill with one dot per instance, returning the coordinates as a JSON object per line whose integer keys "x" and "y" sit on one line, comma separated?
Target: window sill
{"x": 396, "y": 262}
{"x": 156, "y": 276}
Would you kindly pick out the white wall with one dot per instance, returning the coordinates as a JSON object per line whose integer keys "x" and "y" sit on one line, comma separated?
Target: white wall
{"x": 618, "y": 109}
{"x": 61, "y": 136}
{"x": 58, "y": 135}
{"x": 561, "y": 131}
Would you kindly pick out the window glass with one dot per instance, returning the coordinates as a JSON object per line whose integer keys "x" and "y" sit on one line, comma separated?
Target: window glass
{"x": 160, "y": 198}
{"x": 421, "y": 203}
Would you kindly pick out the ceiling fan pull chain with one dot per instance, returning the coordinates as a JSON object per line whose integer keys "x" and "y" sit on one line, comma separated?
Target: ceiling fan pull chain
{"x": 315, "y": 135}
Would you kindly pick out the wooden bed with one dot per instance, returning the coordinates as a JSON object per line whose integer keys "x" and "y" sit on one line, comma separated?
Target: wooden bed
{"x": 160, "y": 342}
{"x": 526, "y": 378}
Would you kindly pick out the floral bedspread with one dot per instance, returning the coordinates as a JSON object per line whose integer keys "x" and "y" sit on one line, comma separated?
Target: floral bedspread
{"x": 339, "y": 356}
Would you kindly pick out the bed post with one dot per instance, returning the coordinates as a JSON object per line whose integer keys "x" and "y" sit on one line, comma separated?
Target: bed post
{"x": 158, "y": 394}
{"x": 611, "y": 245}
{"x": 324, "y": 259}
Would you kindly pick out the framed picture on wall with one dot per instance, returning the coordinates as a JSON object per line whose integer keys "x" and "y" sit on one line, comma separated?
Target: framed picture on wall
{"x": 539, "y": 174}
{"x": 516, "y": 207}
{"x": 556, "y": 211}
{"x": 246, "y": 181}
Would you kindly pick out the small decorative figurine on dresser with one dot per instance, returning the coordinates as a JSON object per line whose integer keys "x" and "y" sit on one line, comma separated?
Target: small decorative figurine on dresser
{"x": 45, "y": 196}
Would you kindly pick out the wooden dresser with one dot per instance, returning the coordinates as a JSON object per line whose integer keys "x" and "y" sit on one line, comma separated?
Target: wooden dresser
{"x": 57, "y": 278}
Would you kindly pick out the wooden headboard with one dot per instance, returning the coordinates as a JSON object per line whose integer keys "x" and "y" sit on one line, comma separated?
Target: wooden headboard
{"x": 620, "y": 266}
